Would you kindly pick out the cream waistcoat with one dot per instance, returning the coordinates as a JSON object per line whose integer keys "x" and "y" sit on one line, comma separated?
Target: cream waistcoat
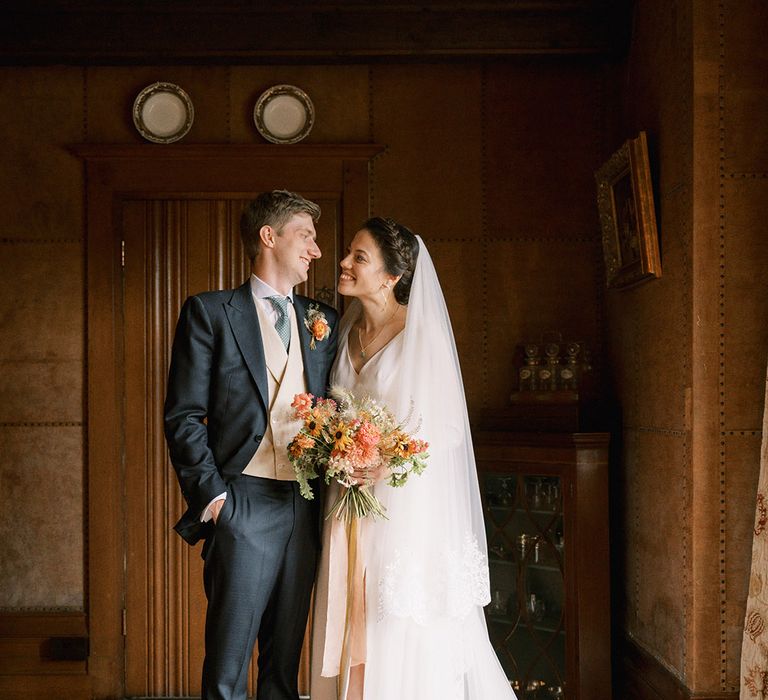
{"x": 285, "y": 379}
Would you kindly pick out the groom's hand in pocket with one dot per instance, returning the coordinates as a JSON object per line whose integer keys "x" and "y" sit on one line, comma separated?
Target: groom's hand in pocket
{"x": 216, "y": 509}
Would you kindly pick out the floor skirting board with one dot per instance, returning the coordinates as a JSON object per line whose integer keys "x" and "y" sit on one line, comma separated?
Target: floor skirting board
{"x": 640, "y": 676}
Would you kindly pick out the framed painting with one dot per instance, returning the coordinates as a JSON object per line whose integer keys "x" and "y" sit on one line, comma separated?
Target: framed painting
{"x": 628, "y": 216}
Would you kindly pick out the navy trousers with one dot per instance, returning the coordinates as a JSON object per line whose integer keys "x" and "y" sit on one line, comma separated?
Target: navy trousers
{"x": 260, "y": 563}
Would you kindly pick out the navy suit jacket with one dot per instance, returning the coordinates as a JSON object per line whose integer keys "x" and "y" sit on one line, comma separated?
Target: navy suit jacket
{"x": 217, "y": 399}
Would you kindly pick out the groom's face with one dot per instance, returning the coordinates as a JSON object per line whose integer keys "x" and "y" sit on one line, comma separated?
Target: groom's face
{"x": 295, "y": 248}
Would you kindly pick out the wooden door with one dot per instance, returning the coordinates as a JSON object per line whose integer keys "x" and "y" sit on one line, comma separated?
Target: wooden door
{"x": 175, "y": 247}
{"x": 160, "y": 230}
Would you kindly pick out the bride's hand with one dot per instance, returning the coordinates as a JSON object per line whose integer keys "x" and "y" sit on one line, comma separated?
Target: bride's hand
{"x": 369, "y": 476}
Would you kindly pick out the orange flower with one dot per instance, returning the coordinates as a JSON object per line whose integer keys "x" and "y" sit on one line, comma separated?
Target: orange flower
{"x": 401, "y": 445}
{"x": 300, "y": 443}
{"x": 304, "y": 441}
{"x": 320, "y": 329}
{"x": 302, "y": 404}
{"x": 313, "y": 423}
{"x": 368, "y": 435}
{"x": 317, "y": 325}
{"x": 341, "y": 438}
{"x": 295, "y": 449}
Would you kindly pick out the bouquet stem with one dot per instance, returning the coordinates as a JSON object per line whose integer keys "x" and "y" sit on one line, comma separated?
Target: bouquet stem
{"x": 357, "y": 502}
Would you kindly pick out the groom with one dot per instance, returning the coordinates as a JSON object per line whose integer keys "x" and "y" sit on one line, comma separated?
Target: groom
{"x": 239, "y": 357}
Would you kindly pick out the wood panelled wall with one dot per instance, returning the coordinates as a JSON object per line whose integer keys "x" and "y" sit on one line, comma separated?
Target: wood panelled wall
{"x": 689, "y": 351}
{"x": 651, "y": 356}
{"x": 491, "y": 163}
{"x": 120, "y": 32}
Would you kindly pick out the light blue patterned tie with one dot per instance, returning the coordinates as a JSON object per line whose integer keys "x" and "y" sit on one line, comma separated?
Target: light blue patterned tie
{"x": 282, "y": 325}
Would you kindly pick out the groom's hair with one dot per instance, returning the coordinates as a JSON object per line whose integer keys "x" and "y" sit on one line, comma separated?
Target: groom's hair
{"x": 399, "y": 248}
{"x": 273, "y": 209}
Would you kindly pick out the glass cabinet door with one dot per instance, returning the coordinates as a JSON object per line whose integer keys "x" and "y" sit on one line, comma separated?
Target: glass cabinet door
{"x": 526, "y": 615}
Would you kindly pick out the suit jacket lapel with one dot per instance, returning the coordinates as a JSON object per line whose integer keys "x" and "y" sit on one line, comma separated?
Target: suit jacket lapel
{"x": 244, "y": 322}
{"x": 310, "y": 364}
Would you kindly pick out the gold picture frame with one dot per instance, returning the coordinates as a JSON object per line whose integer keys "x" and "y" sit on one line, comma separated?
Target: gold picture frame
{"x": 628, "y": 216}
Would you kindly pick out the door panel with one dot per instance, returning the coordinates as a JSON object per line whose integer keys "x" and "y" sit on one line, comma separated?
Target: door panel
{"x": 177, "y": 209}
{"x": 176, "y": 246}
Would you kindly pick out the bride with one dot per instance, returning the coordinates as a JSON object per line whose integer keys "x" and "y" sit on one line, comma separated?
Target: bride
{"x": 399, "y": 614}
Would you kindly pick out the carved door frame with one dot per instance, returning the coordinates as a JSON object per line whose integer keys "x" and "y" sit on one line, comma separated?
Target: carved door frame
{"x": 114, "y": 173}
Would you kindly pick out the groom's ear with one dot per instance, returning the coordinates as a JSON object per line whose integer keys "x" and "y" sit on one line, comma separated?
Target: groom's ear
{"x": 267, "y": 236}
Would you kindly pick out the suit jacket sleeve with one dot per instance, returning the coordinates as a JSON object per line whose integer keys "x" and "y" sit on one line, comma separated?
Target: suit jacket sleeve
{"x": 186, "y": 407}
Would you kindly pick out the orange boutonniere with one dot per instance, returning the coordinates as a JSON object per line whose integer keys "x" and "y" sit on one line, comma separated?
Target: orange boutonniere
{"x": 317, "y": 325}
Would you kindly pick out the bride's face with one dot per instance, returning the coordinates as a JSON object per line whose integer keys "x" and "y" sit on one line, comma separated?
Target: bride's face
{"x": 362, "y": 271}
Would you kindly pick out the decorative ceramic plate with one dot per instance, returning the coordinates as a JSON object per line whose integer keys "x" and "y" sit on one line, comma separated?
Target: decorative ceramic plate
{"x": 284, "y": 114}
{"x": 163, "y": 113}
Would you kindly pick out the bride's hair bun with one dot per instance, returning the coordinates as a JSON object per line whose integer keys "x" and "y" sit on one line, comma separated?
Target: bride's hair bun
{"x": 399, "y": 248}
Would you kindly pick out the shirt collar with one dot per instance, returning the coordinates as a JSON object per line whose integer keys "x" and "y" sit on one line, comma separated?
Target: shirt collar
{"x": 261, "y": 290}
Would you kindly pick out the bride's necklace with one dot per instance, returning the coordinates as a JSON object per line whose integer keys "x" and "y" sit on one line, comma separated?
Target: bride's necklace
{"x": 363, "y": 348}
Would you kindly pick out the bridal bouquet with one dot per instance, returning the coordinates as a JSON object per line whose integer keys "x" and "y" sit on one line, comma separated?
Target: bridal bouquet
{"x": 351, "y": 434}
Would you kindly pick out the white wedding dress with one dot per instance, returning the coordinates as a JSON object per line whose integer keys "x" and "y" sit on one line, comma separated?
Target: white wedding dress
{"x": 425, "y": 566}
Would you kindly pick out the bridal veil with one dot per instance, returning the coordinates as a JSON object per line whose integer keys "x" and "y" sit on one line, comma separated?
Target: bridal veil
{"x": 427, "y": 570}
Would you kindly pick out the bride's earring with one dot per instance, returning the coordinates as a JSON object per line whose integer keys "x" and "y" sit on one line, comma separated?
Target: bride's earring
{"x": 385, "y": 295}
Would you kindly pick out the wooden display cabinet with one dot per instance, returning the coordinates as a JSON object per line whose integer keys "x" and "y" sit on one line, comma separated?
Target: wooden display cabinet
{"x": 545, "y": 501}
